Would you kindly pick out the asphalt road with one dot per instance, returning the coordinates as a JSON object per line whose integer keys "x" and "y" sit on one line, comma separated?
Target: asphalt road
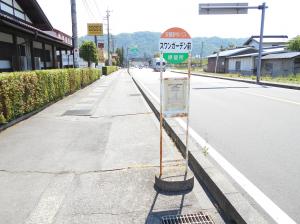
{"x": 256, "y": 128}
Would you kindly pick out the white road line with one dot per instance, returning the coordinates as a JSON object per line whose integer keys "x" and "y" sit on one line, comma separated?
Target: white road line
{"x": 266, "y": 203}
{"x": 51, "y": 200}
{"x": 262, "y": 95}
{"x": 271, "y": 98}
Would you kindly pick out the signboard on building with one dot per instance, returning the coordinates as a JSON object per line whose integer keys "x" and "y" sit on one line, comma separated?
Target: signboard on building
{"x": 95, "y": 29}
{"x": 175, "y": 44}
{"x": 175, "y": 97}
{"x": 101, "y": 45}
{"x": 76, "y": 53}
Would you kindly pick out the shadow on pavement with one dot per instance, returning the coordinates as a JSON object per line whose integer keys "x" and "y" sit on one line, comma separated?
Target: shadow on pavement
{"x": 154, "y": 217}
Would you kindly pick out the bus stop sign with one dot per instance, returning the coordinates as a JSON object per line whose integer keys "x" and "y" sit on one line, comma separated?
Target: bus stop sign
{"x": 175, "y": 44}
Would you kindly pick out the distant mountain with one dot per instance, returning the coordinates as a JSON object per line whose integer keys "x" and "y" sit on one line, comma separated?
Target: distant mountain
{"x": 147, "y": 43}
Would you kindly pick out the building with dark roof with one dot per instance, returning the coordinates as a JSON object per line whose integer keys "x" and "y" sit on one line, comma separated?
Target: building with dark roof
{"x": 244, "y": 60}
{"x": 281, "y": 64}
{"x": 27, "y": 39}
{"x": 268, "y": 41}
{"x": 218, "y": 62}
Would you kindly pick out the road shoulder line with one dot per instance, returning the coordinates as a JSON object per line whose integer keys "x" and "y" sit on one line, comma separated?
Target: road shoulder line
{"x": 241, "y": 211}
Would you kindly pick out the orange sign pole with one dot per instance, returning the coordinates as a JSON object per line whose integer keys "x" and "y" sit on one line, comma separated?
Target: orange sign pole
{"x": 161, "y": 116}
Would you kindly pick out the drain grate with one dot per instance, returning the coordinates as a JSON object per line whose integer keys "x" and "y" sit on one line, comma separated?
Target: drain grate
{"x": 198, "y": 218}
{"x": 135, "y": 94}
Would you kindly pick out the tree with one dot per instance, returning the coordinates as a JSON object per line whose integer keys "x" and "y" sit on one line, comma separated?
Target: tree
{"x": 88, "y": 52}
{"x": 156, "y": 55}
{"x": 120, "y": 58}
{"x": 294, "y": 44}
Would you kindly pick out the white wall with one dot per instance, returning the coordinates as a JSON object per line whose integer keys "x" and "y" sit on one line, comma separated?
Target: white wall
{"x": 246, "y": 63}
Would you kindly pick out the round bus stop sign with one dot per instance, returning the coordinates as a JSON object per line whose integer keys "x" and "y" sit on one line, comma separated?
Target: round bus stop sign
{"x": 175, "y": 44}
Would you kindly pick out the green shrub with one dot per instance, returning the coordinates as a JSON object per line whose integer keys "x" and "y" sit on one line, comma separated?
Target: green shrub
{"x": 23, "y": 92}
{"x": 106, "y": 70}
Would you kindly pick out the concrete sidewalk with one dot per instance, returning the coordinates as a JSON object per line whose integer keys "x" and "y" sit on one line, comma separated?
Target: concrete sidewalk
{"x": 91, "y": 158}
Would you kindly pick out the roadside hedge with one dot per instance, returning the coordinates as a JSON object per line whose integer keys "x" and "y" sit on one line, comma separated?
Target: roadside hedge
{"x": 106, "y": 70}
{"x": 24, "y": 92}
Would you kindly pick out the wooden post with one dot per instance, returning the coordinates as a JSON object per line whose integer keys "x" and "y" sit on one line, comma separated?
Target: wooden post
{"x": 44, "y": 54}
{"x": 32, "y": 55}
{"x": 16, "y": 62}
{"x": 54, "y": 59}
{"x": 161, "y": 116}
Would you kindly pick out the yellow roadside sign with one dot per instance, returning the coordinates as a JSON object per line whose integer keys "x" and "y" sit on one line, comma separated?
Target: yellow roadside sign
{"x": 95, "y": 29}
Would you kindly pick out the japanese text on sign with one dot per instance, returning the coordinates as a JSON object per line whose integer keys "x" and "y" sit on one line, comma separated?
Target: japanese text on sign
{"x": 175, "y": 45}
{"x": 175, "y": 97}
{"x": 95, "y": 29}
{"x": 171, "y": 34}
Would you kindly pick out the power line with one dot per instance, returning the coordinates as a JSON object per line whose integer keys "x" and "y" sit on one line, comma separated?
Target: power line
{"x": 88, "y": 9}
{"x": 97, "y": 8}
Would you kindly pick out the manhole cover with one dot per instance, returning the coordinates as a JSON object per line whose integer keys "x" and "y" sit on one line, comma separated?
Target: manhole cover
{"x": 198, "y": 218}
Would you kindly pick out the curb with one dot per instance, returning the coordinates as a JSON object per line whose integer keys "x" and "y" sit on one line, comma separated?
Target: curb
{"x": 232, "y": 203}
{"x": 279, "y": 85}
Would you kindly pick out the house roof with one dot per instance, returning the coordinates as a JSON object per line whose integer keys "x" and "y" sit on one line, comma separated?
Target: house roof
{"x": 265, "y": 52}
{"x": 231, "y": 52}
{"x": 269, "y": 39}
{"x": 36, "y": 14}
{"x": 25, "y": 27}
{"x": 286, "y": 55}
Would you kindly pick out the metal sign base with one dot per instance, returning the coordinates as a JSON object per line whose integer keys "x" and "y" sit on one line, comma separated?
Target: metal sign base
{"x": 174, "y": 182}
{"x": 174, "y": 179}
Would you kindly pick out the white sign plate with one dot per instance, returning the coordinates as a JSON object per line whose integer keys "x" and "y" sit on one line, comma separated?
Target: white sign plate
{"x": 223, "y": 8}
{"x": 173, "y": 45}
{"x": 175, "y": 97}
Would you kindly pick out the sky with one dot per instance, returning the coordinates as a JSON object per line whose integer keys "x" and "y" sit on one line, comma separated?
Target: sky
{"x": 282, "y": 17}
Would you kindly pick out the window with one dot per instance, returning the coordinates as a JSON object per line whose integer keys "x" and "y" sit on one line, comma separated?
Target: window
{"x": 27, "y": 19}
{"x": 8, "y": 2}
{"x": 6, "y": 8}
{"x": 20, "y": 15}
{"x": 16, "y": 6}
{"x": 269, "y": 67}
{"x": 7, "y": 38}
{"x": 13, "y": 8}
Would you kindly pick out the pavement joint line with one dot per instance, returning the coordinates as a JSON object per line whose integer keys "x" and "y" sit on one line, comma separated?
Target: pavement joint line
{"x": 88, "y": 172}
{"x": 122, "y": 115}
{"x": 266, "y": 203}
{"x": 135, "y": 211}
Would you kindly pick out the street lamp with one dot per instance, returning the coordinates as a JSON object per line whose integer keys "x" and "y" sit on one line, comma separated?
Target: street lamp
{"x": 237, "y": 8}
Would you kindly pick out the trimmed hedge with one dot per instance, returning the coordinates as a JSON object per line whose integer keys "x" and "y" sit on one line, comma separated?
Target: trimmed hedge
{"x": 24, "y": 92}
{"x": 106, "y": 70}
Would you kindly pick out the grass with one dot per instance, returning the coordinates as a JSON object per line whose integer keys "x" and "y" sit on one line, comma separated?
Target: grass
{"x": 290, "y": 79}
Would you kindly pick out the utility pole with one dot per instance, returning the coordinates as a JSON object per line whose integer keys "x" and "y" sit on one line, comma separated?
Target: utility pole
{"x": 113, "y": 43}
{"x": 108, "y": 36}
{"x": 261, "y": 36}
{"x": 74, "y": 34}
